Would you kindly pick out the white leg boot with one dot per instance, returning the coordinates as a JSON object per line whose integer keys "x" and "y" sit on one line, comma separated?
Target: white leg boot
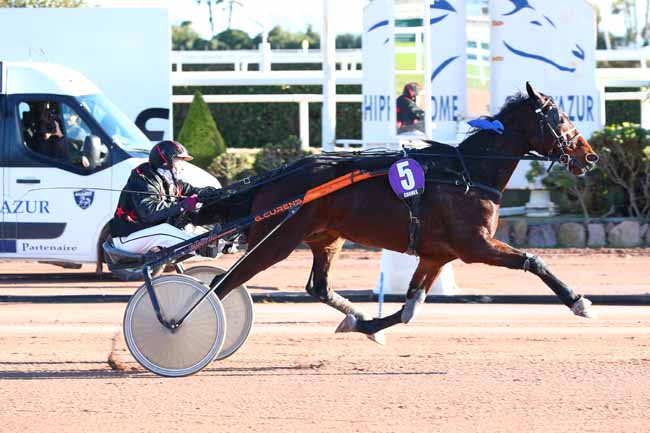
{"x": 412, "y": 306}
{"x": 581, "y": 308}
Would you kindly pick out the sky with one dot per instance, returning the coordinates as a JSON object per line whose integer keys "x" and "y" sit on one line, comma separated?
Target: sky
{"x": 254, "y": 15}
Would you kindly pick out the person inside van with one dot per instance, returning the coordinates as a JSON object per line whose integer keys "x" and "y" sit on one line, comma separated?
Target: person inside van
{"x": 50, "y": 140}
{"x": 156, "y": 216}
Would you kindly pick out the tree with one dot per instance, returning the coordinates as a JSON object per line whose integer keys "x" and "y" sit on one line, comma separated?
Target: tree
{"x": 629, "y": 10}
{"x": 624, "y": 152}
{"x": 231, "y": 3}
{"x": 184, "y": 37}
{"x": 348, "y": 40}
{"x": 282, "y": 39}
{"x": 232, "y": 39}
{"x": 200, "y": 133}
{"x": 210, "y": 15}
{"x": 42, "y": 3}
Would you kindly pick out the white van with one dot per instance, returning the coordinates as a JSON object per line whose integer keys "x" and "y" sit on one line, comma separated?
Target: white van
{"x": 67, "y": 151}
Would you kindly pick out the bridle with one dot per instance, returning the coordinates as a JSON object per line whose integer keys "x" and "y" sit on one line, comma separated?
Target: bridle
{"x": 551, "y": 119}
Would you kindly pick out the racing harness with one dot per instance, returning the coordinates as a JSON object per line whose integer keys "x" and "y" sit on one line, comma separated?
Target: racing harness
{"x": 433, "y": 175}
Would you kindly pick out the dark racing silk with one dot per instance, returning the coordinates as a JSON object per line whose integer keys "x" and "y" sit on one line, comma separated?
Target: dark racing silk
{"x": 408, "y": 113}
{"x": 158, "y": 203}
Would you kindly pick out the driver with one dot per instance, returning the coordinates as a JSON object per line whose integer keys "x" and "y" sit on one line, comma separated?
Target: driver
{"x": 154, "y": 218}
{"x": 409, "y": 115}
{"x": 51, "y": 140}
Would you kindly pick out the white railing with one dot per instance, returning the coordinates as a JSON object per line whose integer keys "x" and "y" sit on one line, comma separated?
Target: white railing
{"x": 347, "y": 59}
{"x": 628, "y": 76}
{"x": 259, "y": 78}
{"x": 637, "y": 75}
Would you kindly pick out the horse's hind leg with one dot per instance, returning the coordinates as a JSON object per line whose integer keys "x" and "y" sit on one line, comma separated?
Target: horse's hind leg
{"x": 326, "y": 247}
{"x": 275, "y": 249}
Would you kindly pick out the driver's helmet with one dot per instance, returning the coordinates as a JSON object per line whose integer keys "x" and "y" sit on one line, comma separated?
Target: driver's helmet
{"x": 411, "y": 90}
{"x": 162, "y": 154}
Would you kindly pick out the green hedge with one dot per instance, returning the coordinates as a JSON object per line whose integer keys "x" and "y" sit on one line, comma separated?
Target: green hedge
{"x": 617, "y": 112}
{"x": 254, "y": 125}
{"x": 200, "y": 134}
{"x": 230, "y": 167}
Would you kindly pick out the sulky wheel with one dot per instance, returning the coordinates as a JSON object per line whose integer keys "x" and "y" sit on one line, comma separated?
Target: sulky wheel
{"x": 190, "y": 347}
{"x": 238, "y": 306}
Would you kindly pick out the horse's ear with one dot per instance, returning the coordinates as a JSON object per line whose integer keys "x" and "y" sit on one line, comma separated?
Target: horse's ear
{"x": 532, "y": 92}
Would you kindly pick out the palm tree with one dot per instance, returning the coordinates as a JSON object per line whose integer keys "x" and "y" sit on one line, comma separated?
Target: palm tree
{"x": 230, "y": 4}
{"x": 211, "y": 3}
{"x": 628, "y": 9}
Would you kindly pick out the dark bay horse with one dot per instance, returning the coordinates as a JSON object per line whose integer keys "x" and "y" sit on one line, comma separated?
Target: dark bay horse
{"x": 456, "y": 221}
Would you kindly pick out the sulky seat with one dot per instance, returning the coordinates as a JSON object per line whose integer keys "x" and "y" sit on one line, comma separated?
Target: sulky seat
{"x": 116, "y": 257}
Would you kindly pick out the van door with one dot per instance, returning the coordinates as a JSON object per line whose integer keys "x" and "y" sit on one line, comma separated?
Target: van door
{"x": 56, "y": 204}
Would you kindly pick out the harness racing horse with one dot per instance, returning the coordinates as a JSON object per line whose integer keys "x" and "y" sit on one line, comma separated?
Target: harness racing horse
{"x": 458, "y": 220}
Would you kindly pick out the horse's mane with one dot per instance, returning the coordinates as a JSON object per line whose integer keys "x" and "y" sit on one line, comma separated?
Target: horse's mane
{"x": 512, "y": 103}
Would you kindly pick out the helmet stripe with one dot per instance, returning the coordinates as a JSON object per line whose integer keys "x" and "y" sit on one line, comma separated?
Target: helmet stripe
{"x": 161, "y": 154}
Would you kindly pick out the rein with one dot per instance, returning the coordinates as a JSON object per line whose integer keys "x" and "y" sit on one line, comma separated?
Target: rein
{"x": 465, "y": 179}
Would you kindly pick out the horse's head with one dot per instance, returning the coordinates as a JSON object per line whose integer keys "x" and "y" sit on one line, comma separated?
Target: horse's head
{"x": 551, "y": 133}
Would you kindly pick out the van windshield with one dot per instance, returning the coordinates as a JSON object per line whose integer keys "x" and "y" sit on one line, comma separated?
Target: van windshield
{"x": 116, "y": 124}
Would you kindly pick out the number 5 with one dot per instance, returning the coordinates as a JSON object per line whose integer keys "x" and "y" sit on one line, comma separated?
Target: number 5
{"x": 406, "y": 175}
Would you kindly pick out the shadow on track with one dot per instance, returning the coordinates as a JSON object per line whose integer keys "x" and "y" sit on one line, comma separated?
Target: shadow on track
{"x": 107, "y": 373}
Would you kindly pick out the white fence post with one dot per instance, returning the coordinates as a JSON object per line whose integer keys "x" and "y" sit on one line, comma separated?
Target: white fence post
{"x": 304, "y": 124}
{"x": 265, "y": 56}
{"x": 418, "y": 51}
{"x": 603, "y": 104}
{"x": 645, "y": 112}
{"x": 328, "y": 51}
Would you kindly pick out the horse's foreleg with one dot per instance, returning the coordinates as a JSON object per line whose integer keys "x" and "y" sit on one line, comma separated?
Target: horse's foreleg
{"x": 497, "y": 253}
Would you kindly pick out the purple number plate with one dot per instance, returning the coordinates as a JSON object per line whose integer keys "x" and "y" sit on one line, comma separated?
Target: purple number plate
{"x": 406, "y": 177}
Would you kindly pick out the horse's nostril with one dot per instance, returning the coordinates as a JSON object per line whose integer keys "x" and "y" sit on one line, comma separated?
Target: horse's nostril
{"x": 592, "y": 158}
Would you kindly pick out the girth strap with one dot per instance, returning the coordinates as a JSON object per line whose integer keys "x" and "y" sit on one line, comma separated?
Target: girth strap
{"x": 413, "y": 205}
{"x": 497, "y": 194}
{"x": 467, "y": 180}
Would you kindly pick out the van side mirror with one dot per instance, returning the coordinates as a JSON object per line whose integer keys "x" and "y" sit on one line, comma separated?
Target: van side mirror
{"x": 92, "y": 152}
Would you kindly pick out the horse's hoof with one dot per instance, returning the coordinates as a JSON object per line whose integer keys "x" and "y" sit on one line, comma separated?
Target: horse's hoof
{"x": 581, "y": 308}
{"x": 413, "y": 306}
{"x": 378, "y": 337}
{"x": 349, "y": 324}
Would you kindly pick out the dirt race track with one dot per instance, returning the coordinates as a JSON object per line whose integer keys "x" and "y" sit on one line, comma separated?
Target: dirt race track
{"x": 458, "y": 368}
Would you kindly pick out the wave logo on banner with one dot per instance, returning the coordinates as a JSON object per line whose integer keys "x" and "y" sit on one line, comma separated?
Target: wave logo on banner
{"x": 379, "y": 25}
{"x": 378, "y": 87}
{"x": 441, "y": 9}
{"x": 376, "y": 104}
{"x": 563, "y": 56}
